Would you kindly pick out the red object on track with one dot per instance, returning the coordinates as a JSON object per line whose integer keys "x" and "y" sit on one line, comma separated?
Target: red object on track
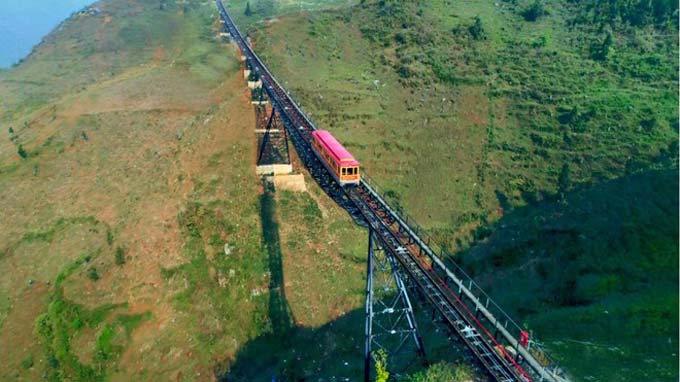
{"x": 336, "y": 158}
{"x": 524, "y": 338}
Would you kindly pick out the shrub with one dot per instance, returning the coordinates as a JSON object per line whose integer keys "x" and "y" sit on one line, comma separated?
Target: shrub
{"x": 22, "y": 152}
{"x": 380, "y": 359}
{"x": 92, "y": 274}
{"x": 444, "y": 372}
{"x": 540, "y": 42}
{"x": 404, "y": 71}
{"x": 401, "y": 38}
{"x": 660, "y": 13}
{"x": 120, "y": 256}
{"x": 109, "y": 237}
{"x": 27, "y": 362}
{"x": 600, "y": 51}
{"x": 564, "y": 181}
{"x": 477, "y": 29}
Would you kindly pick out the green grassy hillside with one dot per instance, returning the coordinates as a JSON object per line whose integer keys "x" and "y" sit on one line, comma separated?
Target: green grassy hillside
{"x": 594, "y": 275}
{"x": 474, "y": 115}
{"x": 484, "y": 122}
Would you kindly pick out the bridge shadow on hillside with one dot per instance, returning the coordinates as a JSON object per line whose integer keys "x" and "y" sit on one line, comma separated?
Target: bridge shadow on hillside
{"x": 578, "y": 270}
{"x": 280, "y": 314}
{"x": 287, "y": 352}
{"x": 332, "y": 352}
{"x": 617, "y": 227}
{"x": 579, "y": 267}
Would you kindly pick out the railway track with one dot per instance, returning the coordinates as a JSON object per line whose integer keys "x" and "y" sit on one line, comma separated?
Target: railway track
{"x": 486, "y": 330}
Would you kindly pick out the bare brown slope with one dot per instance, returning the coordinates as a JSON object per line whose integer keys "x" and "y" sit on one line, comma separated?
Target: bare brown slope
{"x": 127, "y": 117}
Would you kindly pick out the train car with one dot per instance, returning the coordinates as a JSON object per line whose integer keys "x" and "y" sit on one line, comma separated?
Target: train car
{"x": 340, "y": 163}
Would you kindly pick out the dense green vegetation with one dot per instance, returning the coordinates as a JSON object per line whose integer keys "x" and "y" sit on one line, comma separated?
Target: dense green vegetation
{"x": 600, "y": 118}
{"x": 637, "y": 13}
{"x": 443, "y": 372}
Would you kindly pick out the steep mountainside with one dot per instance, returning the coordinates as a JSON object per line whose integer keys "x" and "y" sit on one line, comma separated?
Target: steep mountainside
{"x": 136, "y": 242}
{"x": 121, "y": 179}
{"x": 538, "y": 140}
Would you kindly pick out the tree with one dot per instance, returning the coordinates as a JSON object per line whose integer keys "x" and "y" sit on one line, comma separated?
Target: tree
{"x": 477, "y": 29}
{"x": 564, "y": 180}
{"x": 535, "y": 10}
{"x": 248, "y": 11}
{"x": 22, "y": 152}
{"x": 607, "y": 44}
{"x": 11, "y": 131}
{"x": 601, "y": 51}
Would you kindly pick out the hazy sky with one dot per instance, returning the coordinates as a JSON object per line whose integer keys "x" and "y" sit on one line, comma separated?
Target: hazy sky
{"x": 23, "y": 23}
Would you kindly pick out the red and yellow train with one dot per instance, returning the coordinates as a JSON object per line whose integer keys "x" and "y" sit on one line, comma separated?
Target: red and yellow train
{"x": 339, "y": 162}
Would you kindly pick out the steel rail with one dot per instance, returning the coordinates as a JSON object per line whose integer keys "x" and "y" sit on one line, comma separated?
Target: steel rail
{"x": 538, "y": 368}
{"x": 461, "y": 324}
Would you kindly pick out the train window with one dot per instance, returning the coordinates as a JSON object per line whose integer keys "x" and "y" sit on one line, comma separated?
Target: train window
{"x": 344, "y": 171}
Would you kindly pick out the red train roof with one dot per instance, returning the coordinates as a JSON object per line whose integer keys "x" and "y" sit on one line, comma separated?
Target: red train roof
{"x": 339, "y": 154}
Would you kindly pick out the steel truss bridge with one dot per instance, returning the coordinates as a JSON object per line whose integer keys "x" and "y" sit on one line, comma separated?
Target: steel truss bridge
{"x": 405, "y": 264}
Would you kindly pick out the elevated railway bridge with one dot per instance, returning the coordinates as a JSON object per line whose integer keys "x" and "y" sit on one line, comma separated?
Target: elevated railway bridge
{"x": 414, "y": 266}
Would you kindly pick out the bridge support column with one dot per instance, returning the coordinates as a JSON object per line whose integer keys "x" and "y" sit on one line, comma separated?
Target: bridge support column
{"x": 390, "y": 323}
{"x": 267, "y": 133}
{"x": 273, "y": 154}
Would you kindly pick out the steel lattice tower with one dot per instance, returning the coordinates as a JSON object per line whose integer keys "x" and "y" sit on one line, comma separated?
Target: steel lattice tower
{"x": 390, "y": 323}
